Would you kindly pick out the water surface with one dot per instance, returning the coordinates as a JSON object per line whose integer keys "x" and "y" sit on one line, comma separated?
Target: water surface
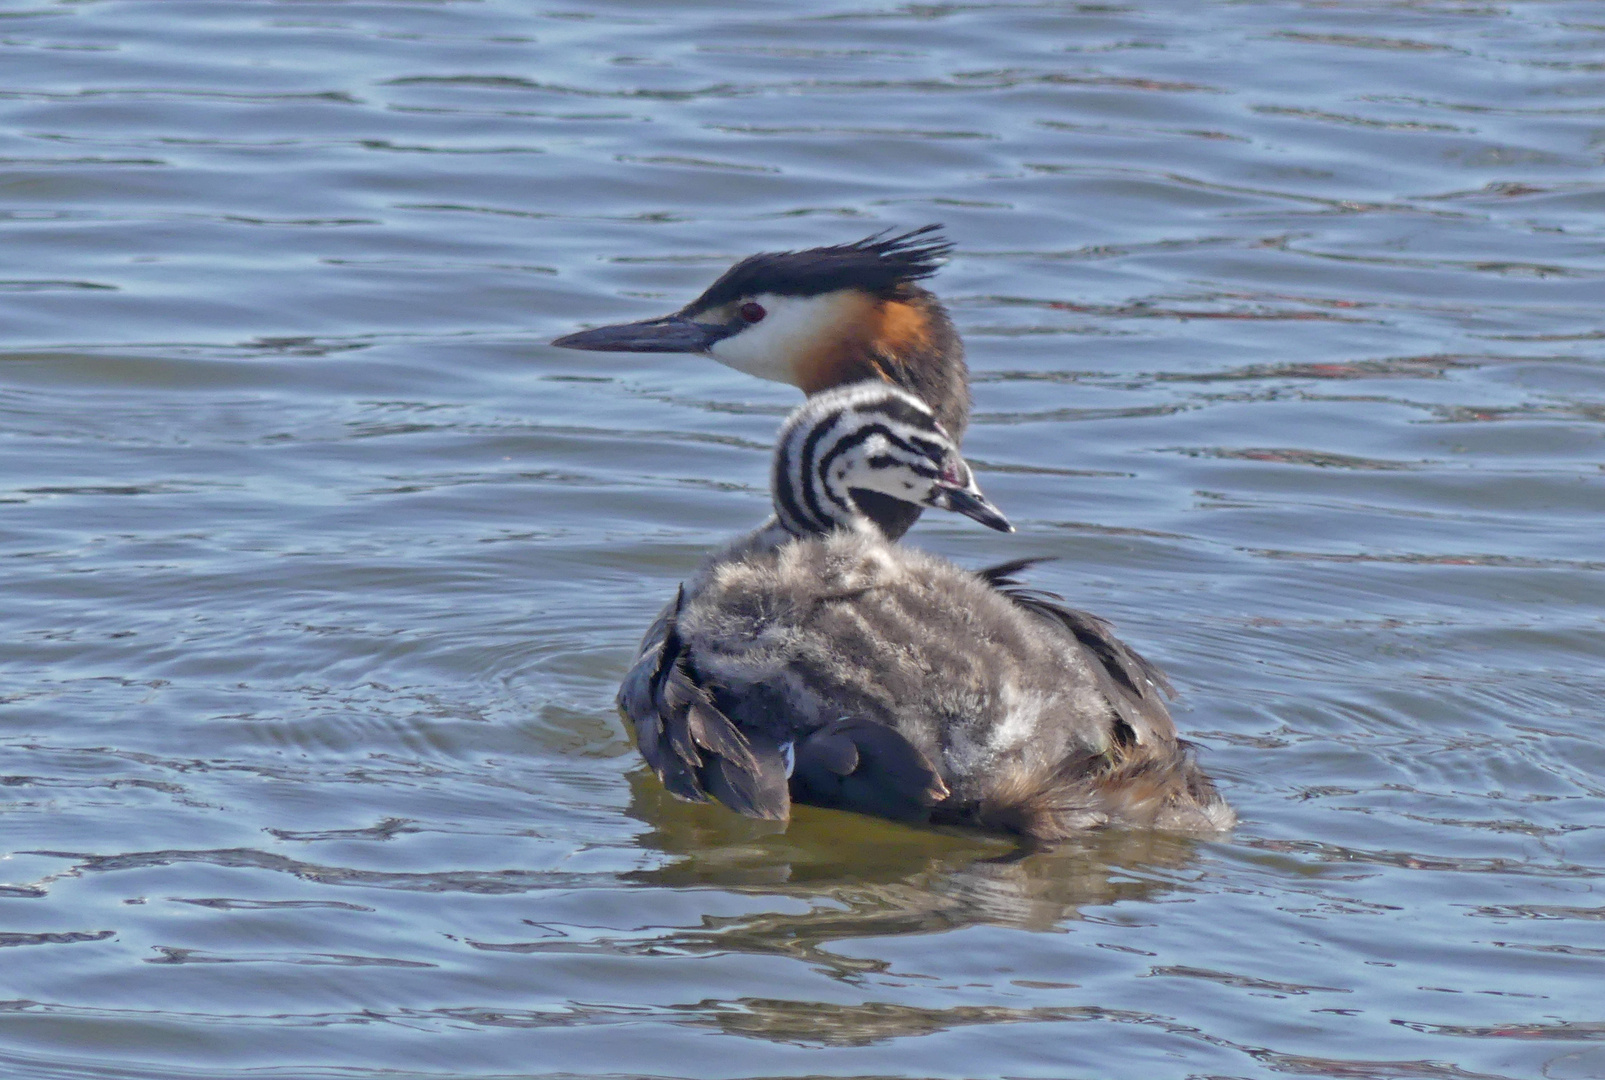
{"x": 320, "y": 567}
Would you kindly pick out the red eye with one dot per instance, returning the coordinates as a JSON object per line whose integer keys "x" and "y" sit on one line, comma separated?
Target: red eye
{"x": 752, "y": 312}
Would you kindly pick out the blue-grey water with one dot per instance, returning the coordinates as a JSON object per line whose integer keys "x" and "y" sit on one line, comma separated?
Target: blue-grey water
{"x": 319, "y": 567}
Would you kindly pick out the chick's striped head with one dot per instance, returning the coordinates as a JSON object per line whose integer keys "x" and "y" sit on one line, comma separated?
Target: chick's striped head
{"x": 869, "y": 436}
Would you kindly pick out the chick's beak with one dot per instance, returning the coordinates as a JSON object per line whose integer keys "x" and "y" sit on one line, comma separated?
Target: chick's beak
{"x": 972, "y": 504}
{"x": 671, "y": 333}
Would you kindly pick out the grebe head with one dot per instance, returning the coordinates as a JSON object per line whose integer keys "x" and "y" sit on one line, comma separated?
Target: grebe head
{"x": 869, "y": 438}
{"x": 820, "y": 318}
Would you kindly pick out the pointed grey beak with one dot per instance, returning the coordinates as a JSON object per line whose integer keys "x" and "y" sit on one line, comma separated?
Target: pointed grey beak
{"x": 972, "y": 504}
{"x": 671, "y": 333}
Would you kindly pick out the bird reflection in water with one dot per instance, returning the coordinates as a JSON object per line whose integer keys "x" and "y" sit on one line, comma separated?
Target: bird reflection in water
{"x": 870, "y": 878}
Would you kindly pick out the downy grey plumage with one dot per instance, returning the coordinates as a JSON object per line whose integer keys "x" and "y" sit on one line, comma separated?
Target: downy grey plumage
{"x": 815, "y": 661}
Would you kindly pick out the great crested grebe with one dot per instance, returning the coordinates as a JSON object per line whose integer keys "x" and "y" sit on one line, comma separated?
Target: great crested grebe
{"x": 817, "y": 661}
{"x": 820, "y": 318}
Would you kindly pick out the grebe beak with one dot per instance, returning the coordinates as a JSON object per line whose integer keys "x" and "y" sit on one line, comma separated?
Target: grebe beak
{"x": 972, "y": 504}
{"x": 671, "y": 333}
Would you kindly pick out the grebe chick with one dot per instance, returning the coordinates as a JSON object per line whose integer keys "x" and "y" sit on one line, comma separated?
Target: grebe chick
{"x": 821, "y": 318}
{"x": 816, "y": 661}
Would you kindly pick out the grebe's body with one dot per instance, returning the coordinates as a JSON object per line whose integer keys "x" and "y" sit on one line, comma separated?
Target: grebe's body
{"x": 817, "y": 661}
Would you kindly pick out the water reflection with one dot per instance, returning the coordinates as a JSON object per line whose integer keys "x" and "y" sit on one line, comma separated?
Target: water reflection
{"x": 866, "y": 878}
{"x": 823, "y": 1023}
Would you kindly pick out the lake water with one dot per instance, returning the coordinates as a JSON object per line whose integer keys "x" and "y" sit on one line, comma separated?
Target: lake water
{"x": 319, "y": 566}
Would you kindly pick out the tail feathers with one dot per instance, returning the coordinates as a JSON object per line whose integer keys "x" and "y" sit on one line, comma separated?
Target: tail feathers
{"x": 1163, "y": 790}
{"x": 1166, "y": 791}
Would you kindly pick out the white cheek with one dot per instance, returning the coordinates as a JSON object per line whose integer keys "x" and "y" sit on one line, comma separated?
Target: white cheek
{"x": 791, "y": 330}
{"x": 893, "y": 482}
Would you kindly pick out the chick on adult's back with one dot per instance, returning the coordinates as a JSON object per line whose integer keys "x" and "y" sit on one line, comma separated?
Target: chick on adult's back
{"x": 816, "y": 661}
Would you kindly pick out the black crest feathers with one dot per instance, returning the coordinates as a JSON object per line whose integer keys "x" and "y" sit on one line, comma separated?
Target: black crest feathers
{"x": 877, "y": 264}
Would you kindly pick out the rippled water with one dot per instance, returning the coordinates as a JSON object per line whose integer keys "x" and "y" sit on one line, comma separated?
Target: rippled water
{"x": 320, "y": 567}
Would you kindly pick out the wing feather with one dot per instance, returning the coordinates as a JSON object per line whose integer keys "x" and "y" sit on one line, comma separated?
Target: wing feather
{"x": 1132, "y": 684}
{"x": 696, "y": 749}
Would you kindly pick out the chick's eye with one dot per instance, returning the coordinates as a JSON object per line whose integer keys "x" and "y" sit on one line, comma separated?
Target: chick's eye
{"x": 751, "y": 311}
{"x": 953, "y": 473}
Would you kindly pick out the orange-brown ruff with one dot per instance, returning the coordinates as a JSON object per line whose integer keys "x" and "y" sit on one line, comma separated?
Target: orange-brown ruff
{"x": 905, "y": 339}
{"x": 816, "y": 661}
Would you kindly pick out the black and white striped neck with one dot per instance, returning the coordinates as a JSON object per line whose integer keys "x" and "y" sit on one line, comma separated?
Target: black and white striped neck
{"x": 868, "y": 436}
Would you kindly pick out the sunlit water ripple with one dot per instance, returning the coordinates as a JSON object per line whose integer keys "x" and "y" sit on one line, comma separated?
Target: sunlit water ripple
{"x": 320, "y": 567}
